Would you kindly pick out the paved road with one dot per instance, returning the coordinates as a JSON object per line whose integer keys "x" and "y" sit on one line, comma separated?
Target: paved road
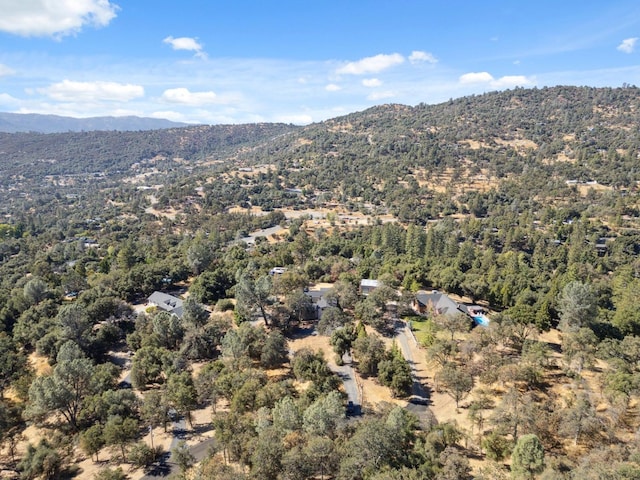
{"x": 420, "y": 396}
{"x": 348, "y": 376}
{"x": 167, "y": 466}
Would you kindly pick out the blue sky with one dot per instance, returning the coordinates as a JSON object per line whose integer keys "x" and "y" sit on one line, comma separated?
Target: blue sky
{"x": 241, "y": 61}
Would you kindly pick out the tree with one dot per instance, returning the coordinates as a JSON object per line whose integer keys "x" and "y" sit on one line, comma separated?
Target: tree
{"x": 155, "y": 409}
{"x": 369, "y": 351}
{"x": 35, "y": 290}
{"x": 13, "y": 363}
{"x": 579, "y": 349}
{"x": 92, "y": 440}
{"x": 454, "y": 465}
{"x": 254, "y": 295}
{"x": 395, "y": 373}
{"x": 120, "y": 432}
{"x": 274, "y": 351}
{"x": 142, "y": 455}
{"x": 580, "y": 418}
{"x": 266, "y": 459}
{"x": 456, "y": 381}
{"x": 182, "y": 394}
{"x": 194, "y": 314}
{"x": 76, "y": 325}
{"x": 577, "y": 307}
{"x": 527, "y": 458}
{"x": 110, "y": 474}
{"x": 286, "y": 415}
{"x": 167, "y": 330}
{"x": 458, "y": 322}
{"x": 66, "y": 388}
{"x": 210, "y": 286}
{"x": 149, "y": 366}
{"x": 182, "y": 456}
{"x": 42, "y": 461}
{"x": 332, "y": 319}
{"x": 323, "y": 416}
{"x": 341, "y": 341}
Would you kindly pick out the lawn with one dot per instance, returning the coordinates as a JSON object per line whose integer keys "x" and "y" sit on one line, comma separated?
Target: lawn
{"x": 423, "y": 328}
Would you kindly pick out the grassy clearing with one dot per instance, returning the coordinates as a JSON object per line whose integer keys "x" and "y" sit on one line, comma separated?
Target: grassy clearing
{"x": 423, "y": 328}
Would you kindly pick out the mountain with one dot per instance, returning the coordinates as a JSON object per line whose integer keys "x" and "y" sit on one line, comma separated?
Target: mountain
{"x": 32, "y": 122}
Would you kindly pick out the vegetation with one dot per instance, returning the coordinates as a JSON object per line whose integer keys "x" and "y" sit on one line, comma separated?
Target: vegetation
{"x": 526, "y": 202}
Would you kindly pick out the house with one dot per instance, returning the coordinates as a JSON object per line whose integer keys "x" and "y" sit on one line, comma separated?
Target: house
{"x": 320, "y": 300}
{"x": 441, "y": 304}
{"x": 166, "y": 302}
{"x": 368, "y": 285}
{"x": 437, "y": 302}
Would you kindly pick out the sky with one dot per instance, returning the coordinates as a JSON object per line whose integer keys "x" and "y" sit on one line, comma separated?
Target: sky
{"x": 305, "y": 61}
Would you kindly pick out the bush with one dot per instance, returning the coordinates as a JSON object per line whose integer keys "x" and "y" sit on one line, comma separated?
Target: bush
{"x": 225, "y": 305}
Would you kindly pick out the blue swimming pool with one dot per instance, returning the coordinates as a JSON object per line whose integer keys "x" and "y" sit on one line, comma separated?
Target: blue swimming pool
{"x": 481, "y": 320}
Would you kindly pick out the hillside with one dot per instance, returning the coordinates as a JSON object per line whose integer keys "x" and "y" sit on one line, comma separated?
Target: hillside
{"x": 523, "y": 203}
{"x": 32, "y": 122}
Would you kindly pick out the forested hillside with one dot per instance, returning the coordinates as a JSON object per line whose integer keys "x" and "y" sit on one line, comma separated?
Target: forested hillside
{"x": 523, "y": 202}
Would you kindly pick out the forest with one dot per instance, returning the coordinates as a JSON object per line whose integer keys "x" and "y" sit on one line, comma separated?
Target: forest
{"x": 523, "y": 202}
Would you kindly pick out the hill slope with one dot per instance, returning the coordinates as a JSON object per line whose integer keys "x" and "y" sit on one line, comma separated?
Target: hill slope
{"x": 32, "y": 122}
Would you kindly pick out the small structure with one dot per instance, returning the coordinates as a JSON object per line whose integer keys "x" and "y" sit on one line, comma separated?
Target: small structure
{"x": 166, "y": 302}
{"x": 441, "y": 304}
{"x": 319, "y": 300}
{"x": 437, "y": 302}
{"x": 368, "y": 285}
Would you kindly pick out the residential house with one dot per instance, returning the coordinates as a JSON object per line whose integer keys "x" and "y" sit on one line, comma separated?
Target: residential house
{"x": 166, "y": 302}
{"x": 437, "y": 302}
{"x": 320, "y": 300}
{"x": 368, "y": 285}
{"x": 441, "y": 304}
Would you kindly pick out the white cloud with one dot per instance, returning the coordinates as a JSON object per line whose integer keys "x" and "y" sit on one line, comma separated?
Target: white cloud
{"x": 4, "y": 70}
{"x": 371, "y": 82}
{"x": 507, "y": 81}
{"x": 296, "y": 119}
{"x": 6, "y": 99}
{"x": 332, "y": 87}
{"x": 376, "y": 96}
{"x": 70, "y": 91}
{"x": 628, "y": 45}
{"x": 476, "y": 77}
{"x": 42, "y": 18}
{"x": 186, "y": 43}
{"x": 419, "y": 57}
{"x": 185, "y": 97}
{"x": 374, "y": 64}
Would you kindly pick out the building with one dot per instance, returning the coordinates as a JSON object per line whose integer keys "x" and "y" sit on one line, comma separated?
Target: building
{"x": 441, "y": 304}
{"x": 438, "y": 303}
{"x": 368, "y": 285}
{"x": 166, "y": 302}
{"x": 320, "y": 300}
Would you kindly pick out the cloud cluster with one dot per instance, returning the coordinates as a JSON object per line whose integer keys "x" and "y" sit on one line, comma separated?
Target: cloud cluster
{"x": 422, "y": 57}
{"x": 186, "y": 43}
{"x": 71, "y": 91}
{"x": 486, "y": 79}
{"x": 45, "y": 18}
{"x": 374, "y": 64}
{"x": 183, "y": 96}
{"x": 628, "y": 45}
{"x": 4, "y": 70}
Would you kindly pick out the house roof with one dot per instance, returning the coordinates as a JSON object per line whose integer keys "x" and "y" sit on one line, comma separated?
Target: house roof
{"x": 367, "y": 282}
{"x": 441, "y": 302}
{"x": 167, "y": 302}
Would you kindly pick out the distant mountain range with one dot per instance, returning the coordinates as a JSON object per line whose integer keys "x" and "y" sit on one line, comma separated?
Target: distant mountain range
{"x": 32, "y": 122}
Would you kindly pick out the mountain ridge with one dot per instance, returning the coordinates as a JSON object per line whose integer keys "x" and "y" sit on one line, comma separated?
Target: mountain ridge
{"x": 46, "y": 123}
